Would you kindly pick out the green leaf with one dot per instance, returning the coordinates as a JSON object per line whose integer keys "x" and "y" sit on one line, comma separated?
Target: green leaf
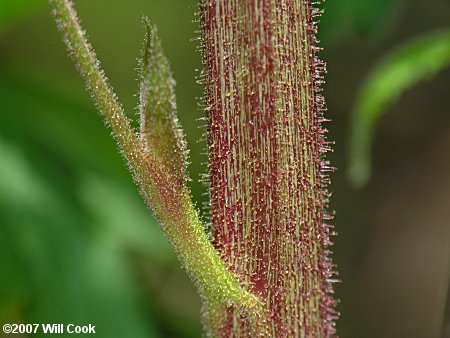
{"x": 160, "y": 129}
{"x": 416, "y": 60}
{"x": 54, "y": 267}
{"x": 127, "y": 222}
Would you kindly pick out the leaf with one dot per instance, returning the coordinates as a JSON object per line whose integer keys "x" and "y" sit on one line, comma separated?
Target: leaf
{"x": 128, "y": 224}
{"x": 159, "y": 125}
{"x": 416, "y": 60}
{"x": 54, "y": 266}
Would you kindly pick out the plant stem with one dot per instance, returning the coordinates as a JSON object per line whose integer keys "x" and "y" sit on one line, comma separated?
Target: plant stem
{"x": 170, "y": 201}
{"x": 268, "y": 177}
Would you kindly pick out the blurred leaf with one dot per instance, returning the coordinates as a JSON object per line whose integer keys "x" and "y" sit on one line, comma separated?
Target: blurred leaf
{"x": 122, "y": 214}
{"x": 33, "y": 110}
{"x": 412, "y": 62}
{"x": 12, "y": 10}
{"x": 53, "y": 268}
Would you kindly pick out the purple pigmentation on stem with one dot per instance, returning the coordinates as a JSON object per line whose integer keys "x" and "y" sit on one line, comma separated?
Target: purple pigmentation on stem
{"x": 267, "y": 272}
{"x": 268, "y": 175}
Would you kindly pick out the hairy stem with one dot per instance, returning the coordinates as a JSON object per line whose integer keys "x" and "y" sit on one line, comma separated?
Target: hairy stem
{"x": 267, "y": 173}
{"x": 169, "y": 200}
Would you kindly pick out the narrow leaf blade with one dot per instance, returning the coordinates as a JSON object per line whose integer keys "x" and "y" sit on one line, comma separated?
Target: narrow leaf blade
{"x": 416, "y": 60}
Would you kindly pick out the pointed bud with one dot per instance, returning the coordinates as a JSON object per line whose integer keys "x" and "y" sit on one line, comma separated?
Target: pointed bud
{"x": 159, "y": 126}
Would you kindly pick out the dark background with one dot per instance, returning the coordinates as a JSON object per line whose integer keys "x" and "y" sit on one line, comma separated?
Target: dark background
{"x": 76, "y": 241}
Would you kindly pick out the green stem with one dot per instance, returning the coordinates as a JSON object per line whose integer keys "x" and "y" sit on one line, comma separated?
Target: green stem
{"x": 170, "y": 203}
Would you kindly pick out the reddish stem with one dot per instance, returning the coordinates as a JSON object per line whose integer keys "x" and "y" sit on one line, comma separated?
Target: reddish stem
{"x": 268, "y": 177}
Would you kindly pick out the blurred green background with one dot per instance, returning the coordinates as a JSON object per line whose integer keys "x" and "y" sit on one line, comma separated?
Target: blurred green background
{"x": 76, "y": 241}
